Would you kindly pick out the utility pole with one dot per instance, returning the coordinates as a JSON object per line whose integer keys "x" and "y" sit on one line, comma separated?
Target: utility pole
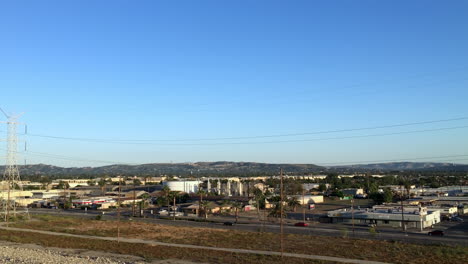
{"x": 303, "y": 207}
{"x": 402, "y": 213}
{"x": 174, "y": 209}
{"x": 352, "y": 213}
{"x": 281, "y": 213}
{"x": 134, "y": 197}
{"x": 11, "y": 177}
{"x": 118, "y": 213}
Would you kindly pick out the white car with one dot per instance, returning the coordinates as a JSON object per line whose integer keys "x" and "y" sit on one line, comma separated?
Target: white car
{"x": 176, "y": 214}
{"x": 163, "y": 212}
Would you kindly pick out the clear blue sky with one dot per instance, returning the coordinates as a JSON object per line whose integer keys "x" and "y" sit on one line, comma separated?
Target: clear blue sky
{"x": 209, "y": 69}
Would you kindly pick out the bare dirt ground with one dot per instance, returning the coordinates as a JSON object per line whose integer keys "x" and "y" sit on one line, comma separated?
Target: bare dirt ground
{"x": 35, "y": 254}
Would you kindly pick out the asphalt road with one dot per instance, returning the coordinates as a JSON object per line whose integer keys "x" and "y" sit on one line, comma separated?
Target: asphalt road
{"x": 456, "y": 233}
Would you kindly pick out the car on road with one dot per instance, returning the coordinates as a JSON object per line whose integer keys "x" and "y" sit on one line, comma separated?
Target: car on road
{"x": 456, "y": 219}
{"x": 436, "y": 233}
{"x": 228, "y": 223}
{"x": 163, "y": 212}
{"x": 301, "y": 224}
{"x": 176, "y": 213}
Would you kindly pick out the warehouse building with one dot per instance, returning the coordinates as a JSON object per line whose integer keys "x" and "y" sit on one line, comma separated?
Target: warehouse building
{"x": 413, "y": 218}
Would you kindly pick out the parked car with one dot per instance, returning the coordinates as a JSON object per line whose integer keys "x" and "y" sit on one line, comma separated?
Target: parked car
{"x": 228, "y": 223}
{"x": 163, "y": 212}
{"x": 456, "y": 219}
{"x": 436, "y": 233}
{"x": 176, "y": 213}
{"x": 301, "y": 224}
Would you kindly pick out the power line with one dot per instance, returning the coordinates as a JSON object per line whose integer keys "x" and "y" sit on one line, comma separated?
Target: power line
{"x": 304, "y": 140}
{"x": 358, "y": 136}
{"x": 310, "y": 140}
{"x": 62, "y": 157}
{"x": 139, "y": 141}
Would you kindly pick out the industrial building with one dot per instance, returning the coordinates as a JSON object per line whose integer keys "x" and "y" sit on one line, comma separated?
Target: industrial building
{"x": 413, "y": 217}
{"x": 308, "y": 199}
{"x": 183, "y": 186}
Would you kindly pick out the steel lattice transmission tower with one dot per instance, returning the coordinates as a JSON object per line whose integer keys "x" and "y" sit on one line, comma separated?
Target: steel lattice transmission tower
{"x": 11, "y": 178}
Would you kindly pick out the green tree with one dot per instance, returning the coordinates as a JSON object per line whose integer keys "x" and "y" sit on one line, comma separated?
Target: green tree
{"x": 136, "y": 182}
{"x": 165, "y": 192}
{"x": 63, "y": 185}
{"x": 102, "y": 183}
{"x": 91, "y": 182}
{"x": 45, "y": 181}
{"x": 322, "y": 187}
{"x": 259, "y": 200}
{"x": 293, "y": 187}
{"x": 294, "y": 203}
{"x": 387, "y": 195}
{"x": 337, "y": 193}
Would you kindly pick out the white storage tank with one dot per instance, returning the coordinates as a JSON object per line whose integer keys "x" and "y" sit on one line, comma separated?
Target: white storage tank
{"x": 183, "y": 186}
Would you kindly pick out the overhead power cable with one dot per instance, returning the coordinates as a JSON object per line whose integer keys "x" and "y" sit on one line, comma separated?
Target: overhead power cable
{"x": 62, "y": 157}
{"x": 301, "y": 140}
{"x": 134, "y": 141}
{"x": 359, "y": 136}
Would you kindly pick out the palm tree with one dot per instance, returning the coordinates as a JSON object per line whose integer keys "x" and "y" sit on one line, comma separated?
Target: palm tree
{"x": 259, "y": 198}
{"x": 173, "y": 195}
{"x": 200, "y": 192}
{"x": 102, "y": 183}
{"x": 237, "y": 206}
{"x": 145, "y": 178}
{"x": 204, "y": 206}
{"x": 166, "y": 191}
{"x": 294, "y": 203}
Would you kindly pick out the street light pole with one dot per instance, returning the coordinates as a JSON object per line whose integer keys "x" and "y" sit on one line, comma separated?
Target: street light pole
{"x": 303, "y": 207}
{"x": 118, "y": 213}
{"x": 281, "y": 213}
{"x": 352, "y": 213}
{"x": 402, "y": 214}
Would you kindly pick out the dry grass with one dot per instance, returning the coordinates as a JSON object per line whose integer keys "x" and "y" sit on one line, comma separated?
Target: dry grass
{"x": 147, "y": 251}
{"x": 315, "y": 245}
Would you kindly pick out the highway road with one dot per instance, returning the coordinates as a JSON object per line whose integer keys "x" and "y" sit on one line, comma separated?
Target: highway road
{"x": 456, "y": 233}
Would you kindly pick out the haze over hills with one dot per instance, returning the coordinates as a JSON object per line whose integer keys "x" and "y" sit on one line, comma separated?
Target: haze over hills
{"x": 407, "y": 166}
{"x": 231, "y": 168}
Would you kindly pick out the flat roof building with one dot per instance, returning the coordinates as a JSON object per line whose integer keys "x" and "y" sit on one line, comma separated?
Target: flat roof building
{"x": 418, "y": 218}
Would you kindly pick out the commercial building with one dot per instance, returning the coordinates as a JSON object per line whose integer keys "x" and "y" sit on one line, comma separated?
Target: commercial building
{"x": 413, "y": 217}
{"x": 308, "y": 199}
{"x": 353, "y": 192}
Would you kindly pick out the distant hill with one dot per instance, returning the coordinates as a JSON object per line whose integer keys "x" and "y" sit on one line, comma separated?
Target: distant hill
{"x": 226, "y": 168}
{"x": 407, "y": 166}
{"x": 185, "y": 169}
